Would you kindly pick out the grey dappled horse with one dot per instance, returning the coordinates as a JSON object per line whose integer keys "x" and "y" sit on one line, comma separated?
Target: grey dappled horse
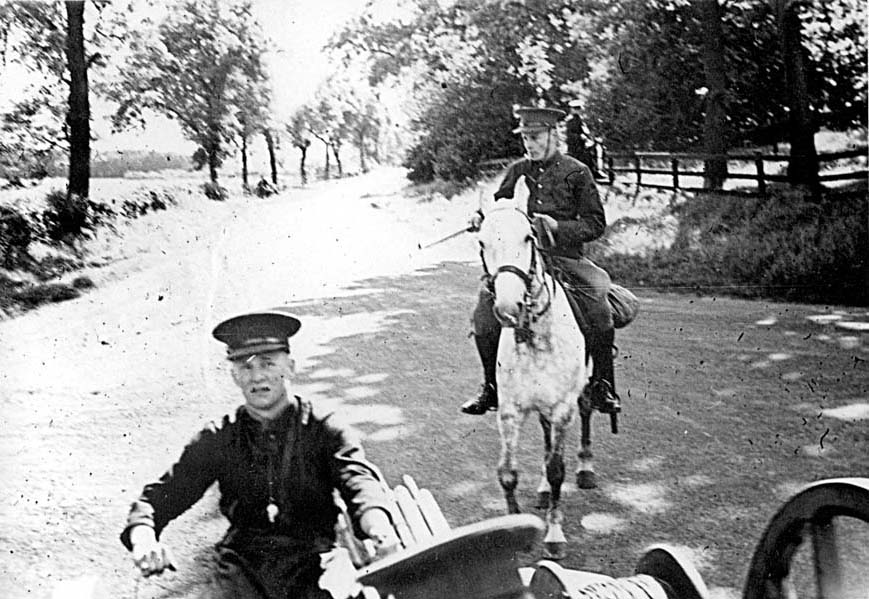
{"x": 542, "y": 365}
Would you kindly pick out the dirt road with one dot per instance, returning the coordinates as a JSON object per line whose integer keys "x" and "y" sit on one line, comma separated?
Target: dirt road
{"x": 730, "y": 405}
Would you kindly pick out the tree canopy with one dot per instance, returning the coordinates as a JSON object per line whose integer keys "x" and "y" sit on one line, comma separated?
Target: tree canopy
{"x": 197, "y": 66}
{"x": 651, "y": 74}
{"x": 638, "y": 66}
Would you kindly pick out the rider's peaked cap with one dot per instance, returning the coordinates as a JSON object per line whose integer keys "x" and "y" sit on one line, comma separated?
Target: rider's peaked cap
{"x": 537, "y": 119}
{"x": 478, "y": 561}
{"x": 258, "y": 332}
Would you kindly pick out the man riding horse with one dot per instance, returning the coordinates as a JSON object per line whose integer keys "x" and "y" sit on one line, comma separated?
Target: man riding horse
{"x": 567, "y": 213}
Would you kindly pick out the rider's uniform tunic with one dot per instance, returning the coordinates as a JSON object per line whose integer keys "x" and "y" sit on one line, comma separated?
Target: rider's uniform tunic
{"x": 563, "y": 188}
{"x": 293, "y": 464}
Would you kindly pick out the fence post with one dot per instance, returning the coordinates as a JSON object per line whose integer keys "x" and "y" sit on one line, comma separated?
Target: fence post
{"x": 639, "y": 169}
{"x": 674, "y": 163}
{"x": 612, "y": 173}
{"x": 761, "y": 183}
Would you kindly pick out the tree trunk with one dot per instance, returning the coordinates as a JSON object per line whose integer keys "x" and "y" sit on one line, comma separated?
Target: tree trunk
{"x": 78, "y": 116}
{"x": 273, "y": 163}
{"x": 715, "y": 123}
{"x": 326, "y": 171}
{"x": 245, "y": 184}
{"x": 302, "y": 172}
{"x": 336, "y": 148}
{"x": 361, "y": 142}
{"x": 213, "y": 162}
{"x": 803, "y": 163}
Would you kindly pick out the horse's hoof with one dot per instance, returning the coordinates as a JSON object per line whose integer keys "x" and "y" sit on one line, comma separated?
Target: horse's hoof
{"x": 543, "y": 500}
{"x": 586, "y": 479}
{"x": 554, "y": 551}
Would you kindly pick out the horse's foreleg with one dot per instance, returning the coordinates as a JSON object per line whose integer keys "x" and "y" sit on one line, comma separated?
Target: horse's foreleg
{"x": 585, "y": 476}
{"x": 509, "y": 425}
{"x": 543, "y": 488}
{"x": 555, "y": 542}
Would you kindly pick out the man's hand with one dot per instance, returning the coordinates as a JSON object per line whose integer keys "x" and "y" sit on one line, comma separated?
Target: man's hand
{"x": 544, "y": 228}
{"x": 149, "y": 555}
{"x": 550, "y": 222}
{"x": 475, "y": 221}
{"x": 376, "y": 525}
{"x": 385, "y": 545}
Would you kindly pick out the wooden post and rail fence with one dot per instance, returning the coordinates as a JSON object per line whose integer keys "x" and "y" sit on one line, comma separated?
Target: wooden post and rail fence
{"x": 670, "y": 170}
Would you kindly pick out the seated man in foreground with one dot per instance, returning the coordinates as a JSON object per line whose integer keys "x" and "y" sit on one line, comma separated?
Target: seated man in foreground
{"x": 277, "y": 461}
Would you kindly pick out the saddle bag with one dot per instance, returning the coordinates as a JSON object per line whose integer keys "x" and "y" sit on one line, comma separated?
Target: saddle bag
{"x": 624, "y": 305}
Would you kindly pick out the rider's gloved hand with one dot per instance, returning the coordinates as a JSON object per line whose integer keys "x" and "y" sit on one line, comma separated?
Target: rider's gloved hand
{"x": 544, "y": 228}
{"x": 550, "y": 222}
{"x": 149, "y": 555}
{"x": 475, "y": 221}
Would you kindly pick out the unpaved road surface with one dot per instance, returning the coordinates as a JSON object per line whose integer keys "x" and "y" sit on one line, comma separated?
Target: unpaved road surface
{"x": 729, "y": 405}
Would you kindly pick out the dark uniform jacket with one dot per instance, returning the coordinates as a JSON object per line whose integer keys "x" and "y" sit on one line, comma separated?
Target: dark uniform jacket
{"x": 296, "y": 464}
{"x": 563, "y": 188}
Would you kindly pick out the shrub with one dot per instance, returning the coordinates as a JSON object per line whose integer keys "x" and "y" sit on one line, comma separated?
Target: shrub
{"x": 214, "y": 191}
{"x": 16, "y": 233}
{"x": 70, "y": 217}
{"x": 82, "y": 283}
{"x": 160, "y": 200}
{"x": 420, "y": 163}
{"x": 35, "y": 295}
{"x": 141, "y": 205}
{"x": 785, "y": 246}
{"x": 264, "y": 189}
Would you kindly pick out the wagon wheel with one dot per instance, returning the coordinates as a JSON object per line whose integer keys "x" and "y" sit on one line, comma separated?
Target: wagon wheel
{"x": 809, "y": 515}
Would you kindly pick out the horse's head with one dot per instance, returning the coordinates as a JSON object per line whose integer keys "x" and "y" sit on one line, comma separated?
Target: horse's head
{"x": 507, "y": 246}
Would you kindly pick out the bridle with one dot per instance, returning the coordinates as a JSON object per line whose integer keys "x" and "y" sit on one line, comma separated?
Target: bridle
{"x": 536, "y": 284}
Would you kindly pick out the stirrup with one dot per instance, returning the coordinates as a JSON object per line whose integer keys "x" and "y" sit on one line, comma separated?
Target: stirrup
{"x": 604, "y": 399}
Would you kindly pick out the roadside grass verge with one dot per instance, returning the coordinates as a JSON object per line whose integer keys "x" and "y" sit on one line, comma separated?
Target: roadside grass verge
{"x": 45, "y": 237}
{"x": 783, "y": 247}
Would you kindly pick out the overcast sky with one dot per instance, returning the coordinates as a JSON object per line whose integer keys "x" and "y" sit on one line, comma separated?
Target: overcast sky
{"x": 298, "y": 30}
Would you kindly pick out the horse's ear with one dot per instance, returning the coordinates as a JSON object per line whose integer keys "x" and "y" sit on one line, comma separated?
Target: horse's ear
{"x": 521, "y": 194}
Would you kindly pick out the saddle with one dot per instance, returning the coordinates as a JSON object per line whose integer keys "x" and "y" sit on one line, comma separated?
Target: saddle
{"x": 624, "y": 305}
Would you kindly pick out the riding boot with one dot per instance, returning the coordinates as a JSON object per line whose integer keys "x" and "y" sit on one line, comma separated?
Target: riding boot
{"x": 487, "y": 347}
{"x": 603, "y": 389}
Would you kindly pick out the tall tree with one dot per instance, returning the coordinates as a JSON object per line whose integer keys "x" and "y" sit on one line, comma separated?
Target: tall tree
{"x": 803, "y": 163}
{"x": 192, "y": 68}
{"x": 270, "y": 146}
{"x": 78, "y": 116}
{"x": 254, "y": 100}
{"x": 299, "y": 129}
{"x": 715, "y": 123}
{"x": 360, "y": 110}
{"x": 326, "y": 124}
{"x": 51, "y": 115}
{"x": 320, "y": 129}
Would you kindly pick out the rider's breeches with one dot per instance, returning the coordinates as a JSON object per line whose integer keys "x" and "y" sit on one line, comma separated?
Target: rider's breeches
{"x": 588, "y": 284}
